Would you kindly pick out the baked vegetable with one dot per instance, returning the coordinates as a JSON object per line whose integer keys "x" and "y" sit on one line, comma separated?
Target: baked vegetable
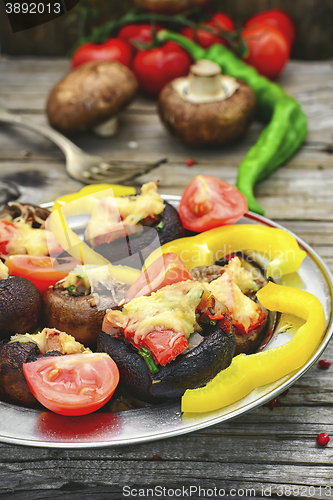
{"x": 21, "y": 305}
{"x": 132, "y": 225}
{"x": 25, "y": 348}
{"x": 77, "y": 304}
{"x": 191, "y": 369}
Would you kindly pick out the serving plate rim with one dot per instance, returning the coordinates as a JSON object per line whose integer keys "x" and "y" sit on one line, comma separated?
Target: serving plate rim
{"x": 199, "y": 421}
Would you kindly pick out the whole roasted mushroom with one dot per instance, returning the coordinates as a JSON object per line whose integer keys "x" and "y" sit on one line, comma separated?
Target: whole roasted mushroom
{"x": 189, "y": 370}
{"x": 206, "y": 108}
{"x": 90, "y": 97}
{"x": 20, "y": 306}
{"x": 168, "y": 228}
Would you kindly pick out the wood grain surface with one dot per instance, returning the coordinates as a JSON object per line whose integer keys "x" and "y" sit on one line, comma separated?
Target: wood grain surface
{"x": 272, "y": 452}
{"x": 313, "y": 21}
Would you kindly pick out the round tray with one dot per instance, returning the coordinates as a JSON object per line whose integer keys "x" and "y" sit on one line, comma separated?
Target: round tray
{"x": 45, "y": 429}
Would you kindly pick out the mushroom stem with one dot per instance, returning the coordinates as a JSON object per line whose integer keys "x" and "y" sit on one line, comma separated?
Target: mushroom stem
{"x": 108, "y": 128}
{"x": 205, "y": 84}
{"x": 205, "y": 79}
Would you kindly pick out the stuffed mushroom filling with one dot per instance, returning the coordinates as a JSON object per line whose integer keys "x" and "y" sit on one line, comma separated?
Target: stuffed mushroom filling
{"x": 171, "y": 329}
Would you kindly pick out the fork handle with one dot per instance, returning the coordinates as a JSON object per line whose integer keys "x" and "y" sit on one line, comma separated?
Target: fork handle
{"x": 64, "y": 144}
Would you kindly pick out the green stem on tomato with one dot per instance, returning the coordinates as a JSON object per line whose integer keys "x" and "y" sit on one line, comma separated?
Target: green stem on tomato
{"x": 101, "y": 33}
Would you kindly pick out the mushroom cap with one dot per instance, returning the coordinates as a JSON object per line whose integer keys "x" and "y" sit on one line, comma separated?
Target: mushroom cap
{"x": 170, "y": 6}
{"x": 90, "y": 95}
{"x": 207, "y": 123}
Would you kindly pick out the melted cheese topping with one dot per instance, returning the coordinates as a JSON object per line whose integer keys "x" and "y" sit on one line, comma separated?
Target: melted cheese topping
{"x": 242, "y": 277}
{"x": 170, "y": 308}
{"x": 23, "y": 239}
{"x": 85, "y": 278}
{"x": 243, "y": 310}
{"x": 50, "y": 339}
{"x": 112, "y": 214}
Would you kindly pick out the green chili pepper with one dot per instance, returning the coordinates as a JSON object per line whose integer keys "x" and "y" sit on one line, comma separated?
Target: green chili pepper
{"x": 146, "y": 355}
{"x": 286, "y": 122}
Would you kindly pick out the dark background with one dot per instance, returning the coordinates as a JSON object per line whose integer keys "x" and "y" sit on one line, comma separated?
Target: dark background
{"x": 313, "y": 19}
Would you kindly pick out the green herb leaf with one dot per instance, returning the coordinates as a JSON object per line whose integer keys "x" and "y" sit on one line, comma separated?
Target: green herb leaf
{"x": 146, "y": 355}
{"x": 71, "y": 288}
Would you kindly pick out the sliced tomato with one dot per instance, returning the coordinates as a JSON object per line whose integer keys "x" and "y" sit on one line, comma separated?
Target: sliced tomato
{"x": 164, "y": 345}
{"x": 209, "y": 202}
{"x": 165, "y": 270}
{"x": 74, "y": 384}
{"x": 42, "y": 271}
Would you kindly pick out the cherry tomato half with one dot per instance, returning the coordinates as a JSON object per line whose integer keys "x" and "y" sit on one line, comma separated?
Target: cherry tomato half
{"x": 208, "y": 202}
{"x": 74, "y": 384}
{"x": 268, "y": 49}
{"x": 112, "y": 50}
{"x": 278, "y": 19}
{"x": 165, "y": 270}
{"x": 42, "y": 271}
{"x": 154, "y": 68}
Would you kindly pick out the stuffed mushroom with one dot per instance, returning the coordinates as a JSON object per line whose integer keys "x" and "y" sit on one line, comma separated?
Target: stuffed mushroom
{"x": 27, "y": 348}
{"x": 132, "y": 225}
{"x": 78, "y": 303}
{"x": 21, "y": 304}
{"x": 183, "y": 334}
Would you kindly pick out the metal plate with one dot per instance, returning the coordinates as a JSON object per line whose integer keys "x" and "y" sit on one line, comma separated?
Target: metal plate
{"x": 45, "y": 429}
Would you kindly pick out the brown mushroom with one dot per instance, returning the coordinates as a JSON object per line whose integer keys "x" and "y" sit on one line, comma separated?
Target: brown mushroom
{"x": 79, "y": 315}
{"x": 90, "y": 97}
{"x": 206, "y": 107}
{"x": 170, "y": 6}
{"x": 25, "y": 349}
{"x": 21, "y": 306}
{"x": 25, "y": 212}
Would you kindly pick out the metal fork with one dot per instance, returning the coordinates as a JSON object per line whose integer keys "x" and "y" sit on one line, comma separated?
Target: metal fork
{"x": 80, "y": 165}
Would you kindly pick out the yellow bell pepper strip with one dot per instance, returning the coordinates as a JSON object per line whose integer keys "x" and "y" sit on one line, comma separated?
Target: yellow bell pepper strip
{"x": 95, "y": 191}
{"x": 248, "y": 372}
{"x": 82, "y": 203}
{"x": 279, "y": 247}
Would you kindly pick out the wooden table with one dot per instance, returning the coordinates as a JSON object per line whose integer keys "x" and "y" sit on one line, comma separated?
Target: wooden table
{"x": 272, "y": 452}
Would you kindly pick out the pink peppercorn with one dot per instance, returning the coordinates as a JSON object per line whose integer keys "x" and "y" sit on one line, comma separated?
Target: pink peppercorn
{"x": 190, "y": 162}
{"x": 274, "y": 403}
{"x": 324, "y": 364}
{"x": 323, "y": 439}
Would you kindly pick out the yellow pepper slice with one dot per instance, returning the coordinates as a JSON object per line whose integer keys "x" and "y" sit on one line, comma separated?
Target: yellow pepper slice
{"x": 279, "y": 247}
{"x": 95, "y": 191}
{"x": 248, "y": 372}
